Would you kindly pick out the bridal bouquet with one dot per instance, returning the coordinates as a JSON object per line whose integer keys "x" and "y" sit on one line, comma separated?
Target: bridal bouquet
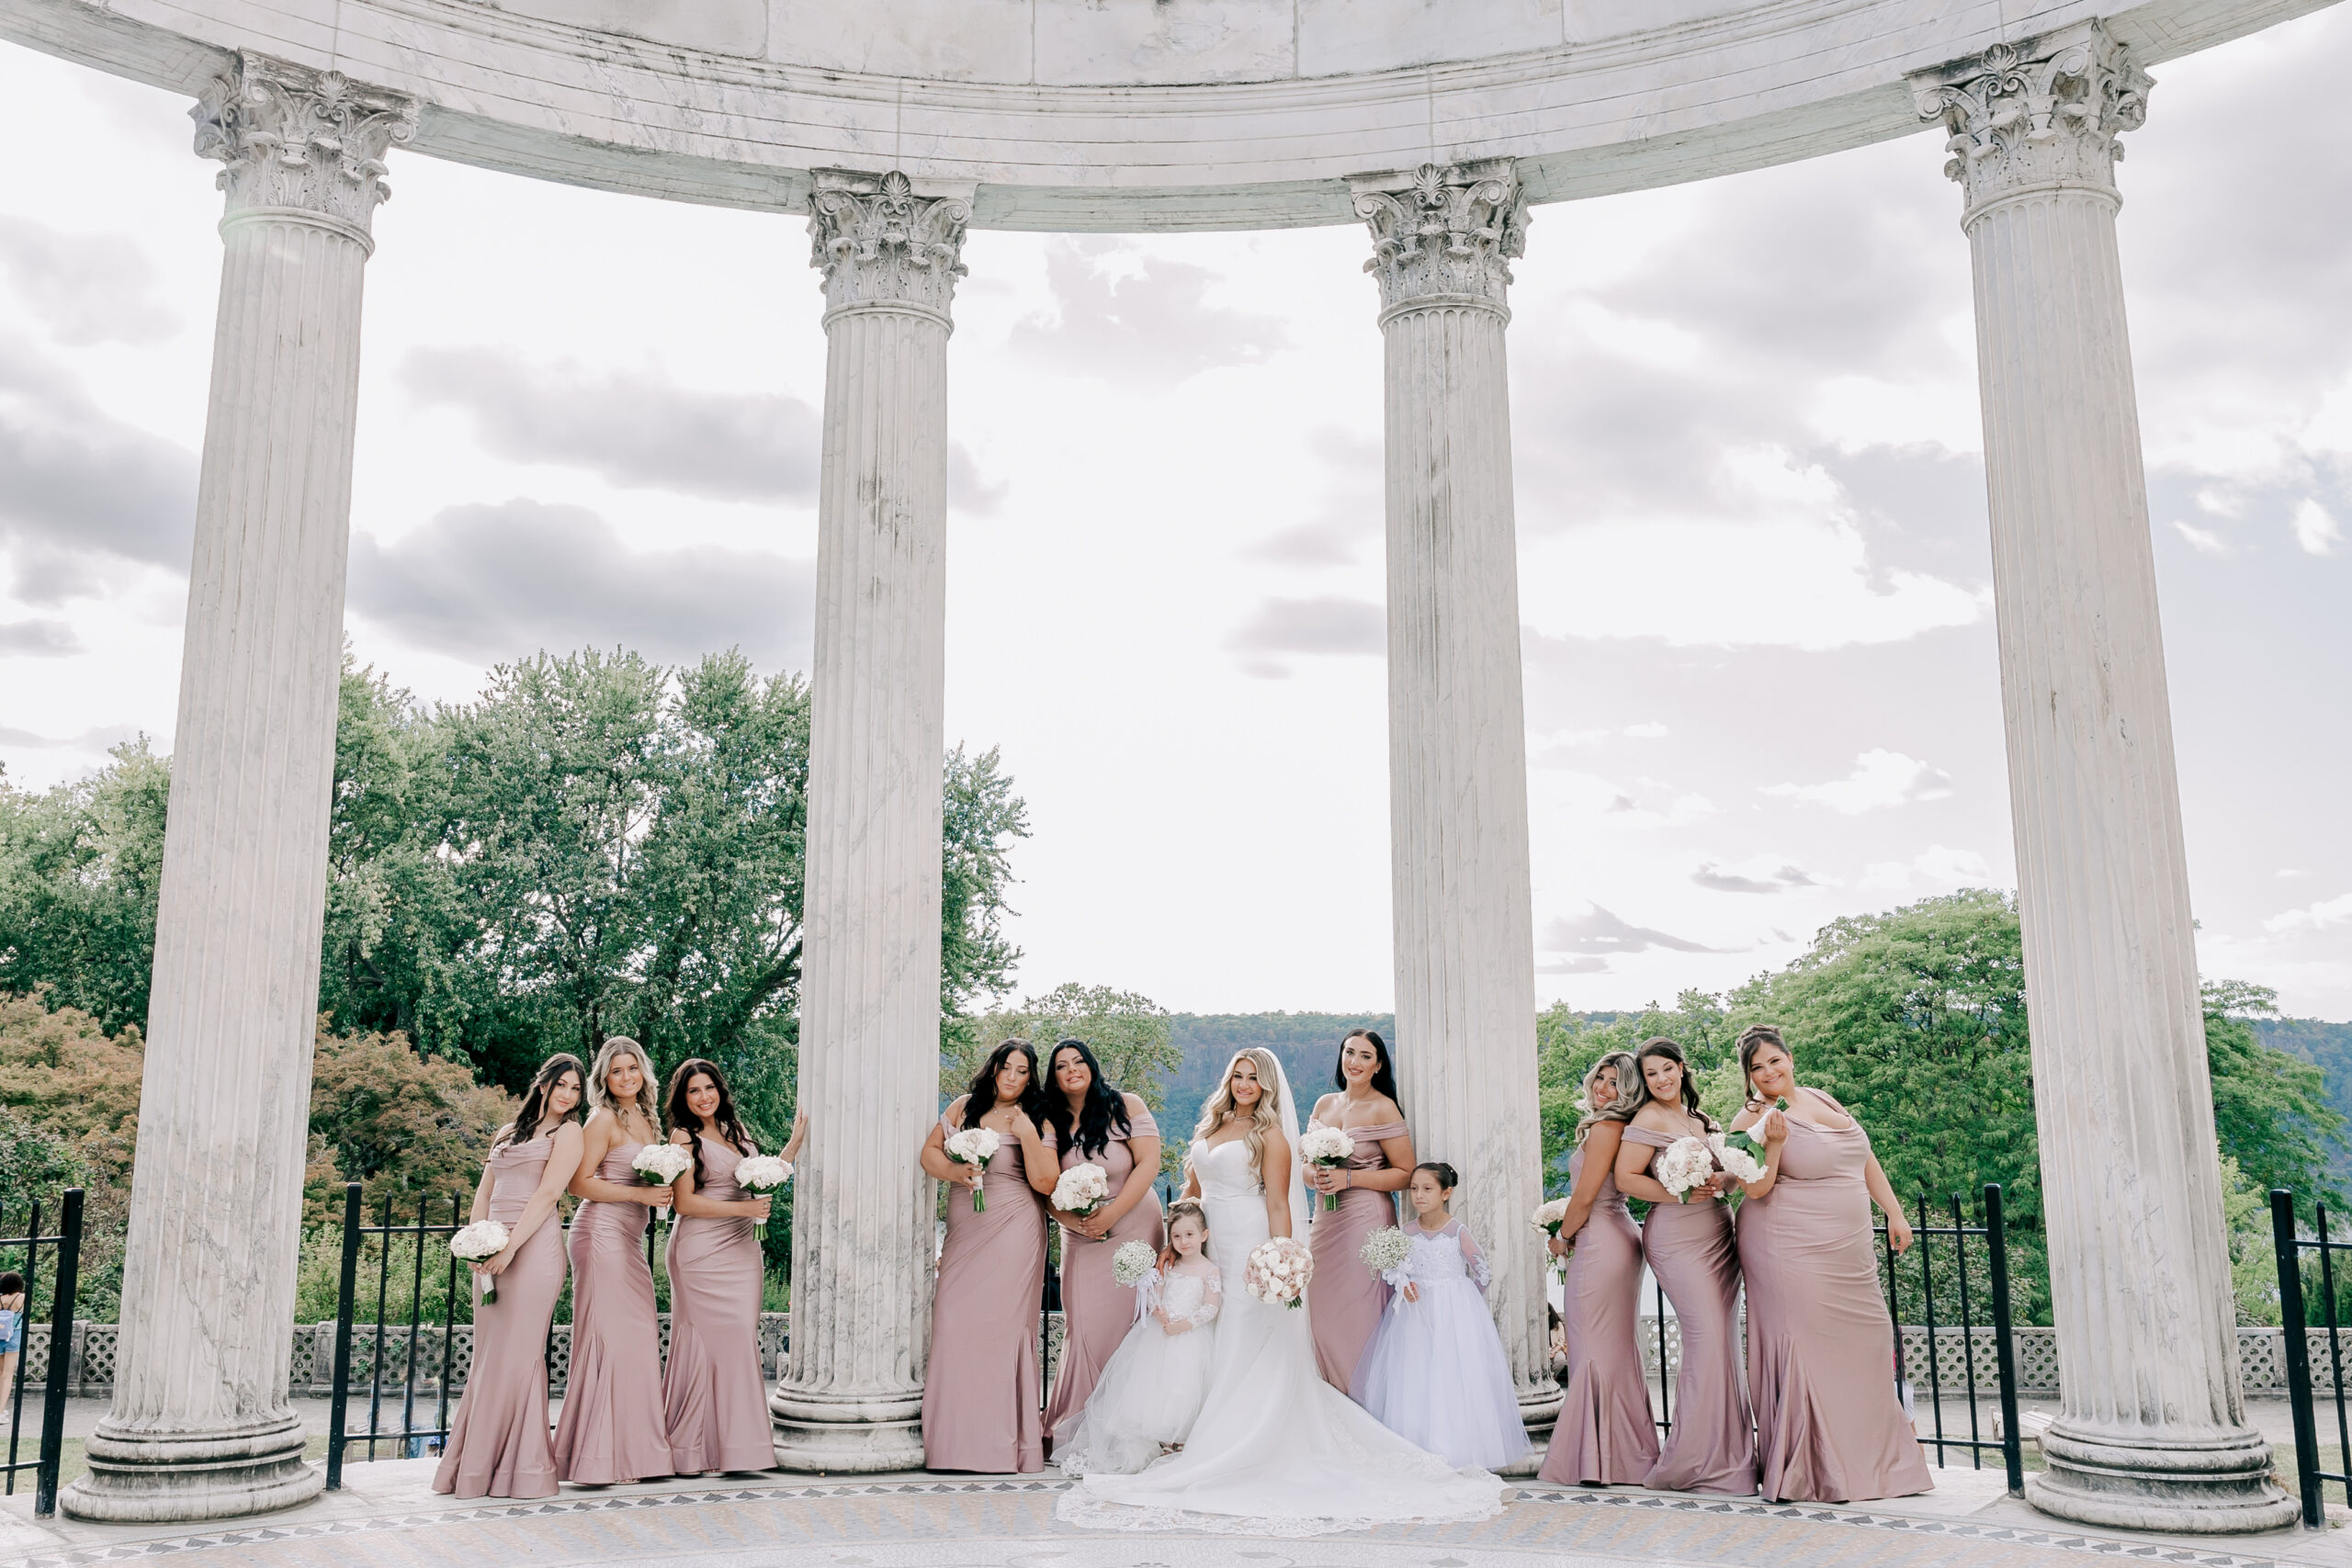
{"x": 761, "y": 1175}
{"x": 1385, "y": 1250}
{"x": 974, "y": 1145}
{"x": 1683, "y": 1165}
{"x": 1329, "y": 1147}
{"x": 1734, "y": 1157}
{"x": 1549, "y": 1218}
{"x": 1750, "y": 1143}
{"x": 1278, "y": 1271}
{"x": 1134, "y": 1260}
{"x": 658, "y": 1164}
{"x": 483, "y": 1239}
{"x": 1083, "y": 1190}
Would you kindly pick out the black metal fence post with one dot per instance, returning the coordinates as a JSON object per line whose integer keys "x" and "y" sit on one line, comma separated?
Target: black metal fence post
{"x": 1665, "y": 1375}
{"x": 2005, "y": 1356}
{"x": 347, "y": 1282}
{"x": 61, "y": 1341}
{"x": 2293, "y": 1318}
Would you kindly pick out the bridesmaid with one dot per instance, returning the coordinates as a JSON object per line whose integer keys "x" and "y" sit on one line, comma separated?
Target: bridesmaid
{"x": 714, "y": 1399}
{"x": 1711, "y": 1446}
{"x": 1820, "y": 1347}
{"x": 613, "y": 1427}
{"x": 980, "y": 1397}
{"x": 1091, "y": 1123}
{"x": 1605, "y": 1436}
{"x": 1343, "y": 1309}
{"x": 498, "y": 1440}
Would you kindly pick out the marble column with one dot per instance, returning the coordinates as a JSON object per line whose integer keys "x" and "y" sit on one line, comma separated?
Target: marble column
{"x": 2152, "y": 1432}
{"x": 1444, "y": 236}
{"x": 850, "y": 1398}
{"x": 200, "y": 1426}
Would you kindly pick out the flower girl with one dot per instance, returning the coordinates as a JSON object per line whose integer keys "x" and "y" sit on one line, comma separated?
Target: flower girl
{"x": 1151, "y": 1389}
{"x": 1435, "y": 1374}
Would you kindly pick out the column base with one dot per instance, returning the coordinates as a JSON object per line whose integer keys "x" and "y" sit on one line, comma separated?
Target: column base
{"x": 2217, "y": 1484}
{"x": 138, "y": 1477}
{"x": 837, "y": 1434}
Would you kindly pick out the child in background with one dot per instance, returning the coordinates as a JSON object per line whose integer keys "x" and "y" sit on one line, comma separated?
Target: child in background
{"x": 12, "y": 1327}
{"x": 1151, "y": 1389}
{"x": 1435, "y": 1374}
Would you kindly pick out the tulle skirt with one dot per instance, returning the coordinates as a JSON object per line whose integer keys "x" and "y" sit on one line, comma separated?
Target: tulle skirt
{"x": 1148, "y": 1397}
{"x": 1435, "y": 1376}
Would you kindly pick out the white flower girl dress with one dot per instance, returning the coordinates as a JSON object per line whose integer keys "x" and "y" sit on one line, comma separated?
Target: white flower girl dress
{"x": 1435, "y": 1374}
{"x": 1151, "y": 1390}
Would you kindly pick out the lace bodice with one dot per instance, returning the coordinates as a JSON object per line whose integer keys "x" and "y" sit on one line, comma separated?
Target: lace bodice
{"x": 1446, "y": 1253}
{"x": 1192, "y": 1297}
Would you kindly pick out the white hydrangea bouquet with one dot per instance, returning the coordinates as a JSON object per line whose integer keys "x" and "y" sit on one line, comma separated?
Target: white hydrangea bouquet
{"x": 1750, "y": 1143}
{"x": 1083, "y": 1190}
{"x": 974, "y": 1145}
{"x": 483, "y": 1239}
{"x": 763, "y": 1176}
{"x": 1734, "y": 1157}
{"x": 1131, "y": 1263}
{"x": 1683, "y": 1166}
{"x": 1278, "y": 1270}
{"x": 1385, "y": 1250}
{"x": 1550, "y": 1216}
{"x": 1329, "y": 1147}
{"x": 658, "y": 1164}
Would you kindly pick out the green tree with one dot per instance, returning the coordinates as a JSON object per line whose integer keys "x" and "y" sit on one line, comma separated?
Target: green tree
{"x": 79, "y": 868}
{"x": 2270, "y": 1109}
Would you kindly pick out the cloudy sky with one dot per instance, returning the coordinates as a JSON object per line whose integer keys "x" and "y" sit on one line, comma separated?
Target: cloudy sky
{"x": 1761, "y": 688}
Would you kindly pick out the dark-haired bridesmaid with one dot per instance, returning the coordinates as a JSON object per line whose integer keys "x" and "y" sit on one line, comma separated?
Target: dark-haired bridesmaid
{"x": 713, "y": 1395}
{"x": 1091, "y": 1123}
{"x": 1605, "y": 1436}
{"x": 498, "y": 1439}
{"x": 613, "y": 1427}
{"x": 1343, "y": 1309}
{"x": 1820, "y": 1345}
{"x": 979, "y": 1395}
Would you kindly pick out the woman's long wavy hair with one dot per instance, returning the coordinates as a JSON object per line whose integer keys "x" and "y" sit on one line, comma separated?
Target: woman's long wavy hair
{"x": 981, "y": 1098}
{"x": 600, "y": 1098}
{"x": 681, "y": 1116}
{"x": 525, "y": 1125}
{"x": 1634, "y": 1090}
{"x": 1618, "y": 1065}
{"x": 1384, "y": 1077}
{"x": 1752, "y": 1039}
{"x": 1266, "y": 1119}
{"x": 1105, "y": 1106}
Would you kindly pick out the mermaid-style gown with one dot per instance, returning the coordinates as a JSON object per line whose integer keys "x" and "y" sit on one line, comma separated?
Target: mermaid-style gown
{"x": 1605, "y": 1434}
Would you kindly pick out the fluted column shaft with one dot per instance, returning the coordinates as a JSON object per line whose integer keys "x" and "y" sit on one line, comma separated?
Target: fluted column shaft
{"x": 850, "y": 1398}
{"x": 201, "y": 1426}
{"x": 2152, "y": 1432}
{"x": 1457, "y": 752}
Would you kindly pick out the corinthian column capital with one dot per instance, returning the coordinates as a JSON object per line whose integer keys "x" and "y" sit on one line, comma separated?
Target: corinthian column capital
{"x": 2040, "y": 116}
{"x": 883, "y": 246}
{"x": 297, "y": 139}
{"x": 1444, "y": 234}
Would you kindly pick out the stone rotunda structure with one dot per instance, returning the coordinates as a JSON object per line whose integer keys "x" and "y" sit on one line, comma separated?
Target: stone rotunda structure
{"x": 894, "y": 126}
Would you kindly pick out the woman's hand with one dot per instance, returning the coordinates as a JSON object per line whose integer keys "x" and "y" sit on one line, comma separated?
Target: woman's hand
{"x": 1898, "y": 1231}
{"x": 1173, "y": 1327}
{"x": 657, "y": 1197}
{"x": 1557, "y": 1247}
{"x": 968, "y": 1175}
{"x": 1773, "y": 1124}
{"x": 1411, "y": 1291}
{"x": 757, "y": 1208}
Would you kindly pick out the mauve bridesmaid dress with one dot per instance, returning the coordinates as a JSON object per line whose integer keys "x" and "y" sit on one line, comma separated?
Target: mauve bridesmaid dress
{"x": 1344, "y": 1303}
{"x": 498, "y": 1440}
{"x": 1820, "y": 1347}
{"x": 713, "y": 1395}
{"x": 1711, "y": 1445}
{"x": 1097, "y": 1311}
{"x": 979, "y": 1396}
{"x": 613, "y": 1427}
{"x": 1606, "y": 1435}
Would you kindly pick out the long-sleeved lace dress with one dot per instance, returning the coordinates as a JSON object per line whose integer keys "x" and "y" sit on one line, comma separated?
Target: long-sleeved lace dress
{"x": 1435, "y": 1374}
{"x": 1150, "y": 1391}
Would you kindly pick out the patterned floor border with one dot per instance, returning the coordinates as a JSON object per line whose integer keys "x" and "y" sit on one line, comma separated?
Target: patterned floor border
{"x": 1534, "y": 1496}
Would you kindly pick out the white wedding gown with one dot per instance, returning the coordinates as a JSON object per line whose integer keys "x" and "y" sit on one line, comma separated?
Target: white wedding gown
{"x": 1277, "y": 1452}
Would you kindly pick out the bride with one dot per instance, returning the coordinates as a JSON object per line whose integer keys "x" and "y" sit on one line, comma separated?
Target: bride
{"x": 1276, "y": 1450}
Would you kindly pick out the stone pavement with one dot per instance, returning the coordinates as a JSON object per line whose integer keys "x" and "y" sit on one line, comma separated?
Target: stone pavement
{"x": 387, "y": 1516}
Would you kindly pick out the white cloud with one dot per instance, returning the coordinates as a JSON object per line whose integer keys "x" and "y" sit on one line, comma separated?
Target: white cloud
{"x": 1650, "y": 731}
{"x": 1880, "y": 778}
{"x": 2317, "y": 917}
{"x": 2315, "y": 530}
{"x": 2204, "y": 541}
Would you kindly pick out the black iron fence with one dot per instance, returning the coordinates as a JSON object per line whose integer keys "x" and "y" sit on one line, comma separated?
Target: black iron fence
{"x": 1958, "y": 1295}
{"x": 2310, "y": 1307}
{"x": 23, "y": 1254}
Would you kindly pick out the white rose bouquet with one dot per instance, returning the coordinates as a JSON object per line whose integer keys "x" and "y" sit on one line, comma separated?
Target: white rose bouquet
{"x": 1734, "y": 1158}
{"x": 761, "y": 1176}
{"x": 1329, "y": 1147}
{"x": 974, "y": 1145}
{"x": 1083, "y": 1190}
{"x": 1683, "y": 1166}
{"x": 483, "y": 1239}
{"x": 1385, "y": 1250}
{"x": 1131, "y": 1263}
{"x": 1278, "y": 1271}
{"x": 1549, "y": 1218}
{"x": 1751, "y": 1142}
{"x": 658, "y": 1164}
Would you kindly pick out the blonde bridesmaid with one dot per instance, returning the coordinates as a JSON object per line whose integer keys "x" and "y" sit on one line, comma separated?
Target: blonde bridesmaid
{"x": 1820, "y": 1345}
{"x": 498, "y": 1440}
{"x": 713, "y": 1395}
{"x": 1711, "y": 1445}
{"x": 1091, "y": 1123}
{"x": 979, "y": 1395}
{"x": 613, "y": 1427}
{"x": 1606, "y": 1436}
{"x": 1343, "y": 1309}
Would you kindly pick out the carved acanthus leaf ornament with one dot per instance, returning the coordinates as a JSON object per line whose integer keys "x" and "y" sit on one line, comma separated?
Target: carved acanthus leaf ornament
{"x": 1451, "y": 233}
{"x": 292, "y": 137}
{"x": 877, "y": 242}
{"x": 2038, "y": 116}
